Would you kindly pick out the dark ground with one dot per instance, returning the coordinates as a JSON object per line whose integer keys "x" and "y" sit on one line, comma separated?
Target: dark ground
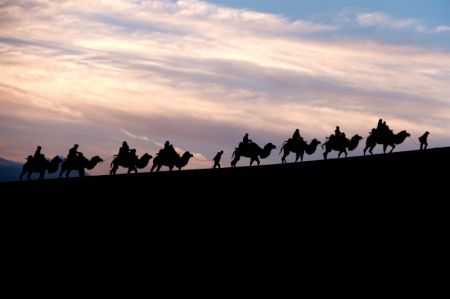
{"x": 372, "y": 212}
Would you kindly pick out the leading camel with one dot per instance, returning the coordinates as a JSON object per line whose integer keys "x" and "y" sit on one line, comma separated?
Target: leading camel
{"x": 131, "y": 165}
{"x": 388, "y": 139}
{"x": 341, "y": 144}
{"x": 252, "y": 151}
{"x": 40, "y": 166}
{"x": 299, "y": 148}
{"x": 79, "y": 163}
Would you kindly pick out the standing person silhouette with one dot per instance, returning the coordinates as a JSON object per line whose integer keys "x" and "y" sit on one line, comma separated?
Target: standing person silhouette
{"x": 423, "y": 141}
{"x": 217, "y": 160}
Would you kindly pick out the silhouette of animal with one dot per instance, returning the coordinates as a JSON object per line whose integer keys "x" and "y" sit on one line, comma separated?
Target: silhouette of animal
{"x": 388, "y": 139}
{"x": 131, "y": 165}
{"x": 252, "y": 151}
{"x": 79, "y": 163}
{"x": 341, "y": 145}
{"x": 171, "y": 160}
{"x": 299, "y": 148}
{"x": 40, "y": 167}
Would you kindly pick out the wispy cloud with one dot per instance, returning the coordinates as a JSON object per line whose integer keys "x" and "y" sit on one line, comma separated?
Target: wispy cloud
{"x": 381, "y": 19}
{"x": 201, "y": 75}
{"x": 442, "y": 28}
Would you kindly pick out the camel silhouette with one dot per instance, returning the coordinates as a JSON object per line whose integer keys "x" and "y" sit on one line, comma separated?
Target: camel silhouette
{"x": 388, "y": 139}
{"x": 40, "y": 167}
{"x": 131, "y": 165}
{"x": 252, "y": 151}
{"x": 341, "y": 145}
{"x": 171, "y": 160}
{"x": 299, "y": 148}
{"x": 79, "y": 163}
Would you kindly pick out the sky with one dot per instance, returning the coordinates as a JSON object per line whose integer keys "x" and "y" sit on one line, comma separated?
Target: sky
{"x": 201, "y": 74}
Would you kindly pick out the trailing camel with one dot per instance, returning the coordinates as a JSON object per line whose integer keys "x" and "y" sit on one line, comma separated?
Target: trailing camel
{"x": 252, "y": 151}
{"x": 133, "y": 163}
{"x": 341, "y": 145}
{"x": 299, "y": 148}
{"x": 79, "y": 163}
{"x": 40, "y": 166}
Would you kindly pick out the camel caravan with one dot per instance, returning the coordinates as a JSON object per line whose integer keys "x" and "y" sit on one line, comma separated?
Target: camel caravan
{"x": 167, "y": 156}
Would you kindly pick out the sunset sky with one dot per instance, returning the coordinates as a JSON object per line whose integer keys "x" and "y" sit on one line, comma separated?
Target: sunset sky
{"x": 203, "y": 73}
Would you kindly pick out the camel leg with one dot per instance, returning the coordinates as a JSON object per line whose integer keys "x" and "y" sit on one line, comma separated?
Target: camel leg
{"x": 325, "y": 154}
{"x": 283, "y": 159}
{"x": 81, "y": 172}
{"x": 29, "y": 175}
{"x": 234, "y": 162}
{"x": 257, "y": 160}
{"x": 371, "y": 149}
{"x": 384, "y": 148}
{"x": 251, "y": 161}
{"x": 158, "y": 168}
{"x": 68, "y": 172}
{"x": 113, "y": 170}
{"x": 365, "y": 149}
{"x": 297, "y": 156}
{"x": 170, "y": 168}
{"x": 393, "y": 146}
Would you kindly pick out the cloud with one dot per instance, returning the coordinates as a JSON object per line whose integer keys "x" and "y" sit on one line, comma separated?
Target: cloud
{"x": 442, "y": 28}
{"x": 201, "y": 75}
{"x": 384, "y": 20}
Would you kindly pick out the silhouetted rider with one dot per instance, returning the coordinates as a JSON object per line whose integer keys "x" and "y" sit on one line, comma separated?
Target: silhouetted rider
{"x": 296, "y": 137}
{"x": 73, "y": 153}
{"x": 246, "y": 140}
{"x": 38, "y": 157}
{"x": 124, "y": 151}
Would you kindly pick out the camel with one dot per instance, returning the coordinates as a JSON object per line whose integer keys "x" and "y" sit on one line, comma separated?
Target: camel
{"x": 389, "y": 139}
{"x": 171, "y": 160}
{"x": 341, "y": 145}
{"x": 80, "y": 163}
{"x": 40, "y": 167}
{"x": 136, "y": 164}
{"x": 252, "y": 151}
{"x": 299, "y": 148}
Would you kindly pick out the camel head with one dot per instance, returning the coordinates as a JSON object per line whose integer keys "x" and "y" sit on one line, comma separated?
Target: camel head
{"x": 29, "y": 158}
{"x": 315, "y": 141}
{"x": 270, "y": 146}
{"x": 187, "y": 155}
{"x": 357, "y": 137}
{"x": 96, "y": 159}
{"x": 147, "y": 156}
{"x": 406, "y": 134}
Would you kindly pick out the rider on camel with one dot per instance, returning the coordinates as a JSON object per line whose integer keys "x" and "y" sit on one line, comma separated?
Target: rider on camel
{"x": 124, "y": 151}
{"x": 73, "y": 154}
